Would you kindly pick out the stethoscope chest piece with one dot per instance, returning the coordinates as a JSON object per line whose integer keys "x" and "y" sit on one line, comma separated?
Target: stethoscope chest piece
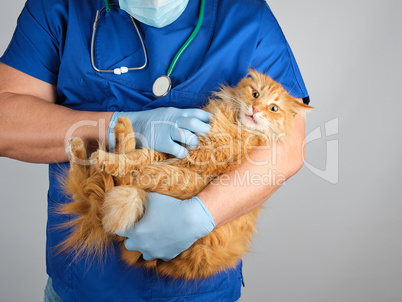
{"x": 162, "y": 86}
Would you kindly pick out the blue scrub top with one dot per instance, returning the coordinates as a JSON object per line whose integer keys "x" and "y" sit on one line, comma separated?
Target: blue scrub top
{"x": 52, "y": 43}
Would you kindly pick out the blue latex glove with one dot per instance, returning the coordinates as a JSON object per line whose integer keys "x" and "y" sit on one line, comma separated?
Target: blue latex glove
{"x": 163, "y": 128}
{"x": 168, "y": 227}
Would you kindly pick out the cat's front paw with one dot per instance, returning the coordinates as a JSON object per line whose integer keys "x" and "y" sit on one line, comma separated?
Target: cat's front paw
{"x": 123, "y": 206}
{"x": 124, "y": 135}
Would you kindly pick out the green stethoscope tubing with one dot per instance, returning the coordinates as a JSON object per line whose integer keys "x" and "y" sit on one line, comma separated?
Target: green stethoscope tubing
{"x": 189, "y": 40}
{"x": 107, "y": 6}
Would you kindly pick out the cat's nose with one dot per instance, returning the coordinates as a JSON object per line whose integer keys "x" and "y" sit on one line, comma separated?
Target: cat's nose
{"x": 255, "y": 110}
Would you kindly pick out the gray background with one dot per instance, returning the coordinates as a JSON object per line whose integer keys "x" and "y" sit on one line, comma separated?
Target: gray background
{"x": 317, "y": 241}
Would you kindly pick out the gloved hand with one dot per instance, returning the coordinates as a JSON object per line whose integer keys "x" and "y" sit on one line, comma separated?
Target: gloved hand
{"x": 161, "y": 129}
{"x": 168, "y": 227}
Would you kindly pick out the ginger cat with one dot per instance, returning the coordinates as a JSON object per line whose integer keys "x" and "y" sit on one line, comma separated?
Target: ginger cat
{"x": 110, "y": 194}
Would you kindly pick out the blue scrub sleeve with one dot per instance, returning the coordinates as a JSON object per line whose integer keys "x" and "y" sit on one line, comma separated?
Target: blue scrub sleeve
{"x": 274, "y": 57}
{"x": 34, "y": 48}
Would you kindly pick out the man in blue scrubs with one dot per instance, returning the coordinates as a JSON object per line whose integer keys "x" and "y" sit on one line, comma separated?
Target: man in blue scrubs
{"x": 48, "y": 85}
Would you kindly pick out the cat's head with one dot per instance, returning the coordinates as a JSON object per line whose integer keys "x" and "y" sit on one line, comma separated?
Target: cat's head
{"x": 264, "y": 105}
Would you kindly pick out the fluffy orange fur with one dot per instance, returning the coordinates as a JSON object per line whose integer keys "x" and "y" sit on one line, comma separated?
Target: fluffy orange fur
{"x": 110, "y": 194}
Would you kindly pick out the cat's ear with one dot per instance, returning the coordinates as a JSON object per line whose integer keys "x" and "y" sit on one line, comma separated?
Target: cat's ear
{"x": 301, "y": 108}
{"x": 225, "y": 93}
{"x": 253, "y": 73}
{"x": 263, "y": 78}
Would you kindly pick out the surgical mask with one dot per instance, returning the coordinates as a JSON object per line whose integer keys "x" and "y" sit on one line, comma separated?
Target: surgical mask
{"x": 156, "y": 13}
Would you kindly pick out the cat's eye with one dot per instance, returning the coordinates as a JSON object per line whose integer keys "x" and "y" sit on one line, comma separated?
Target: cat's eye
{"x": 273, "y": 108}
{"x": 256, "y": 95}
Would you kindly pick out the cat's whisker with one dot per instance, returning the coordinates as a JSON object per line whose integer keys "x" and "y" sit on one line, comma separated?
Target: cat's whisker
{"x": 237, "y": 102}
{"x": 269, "y": 125}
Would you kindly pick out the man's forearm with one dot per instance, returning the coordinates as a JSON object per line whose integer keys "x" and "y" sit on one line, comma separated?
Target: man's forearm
{"x": 238, "y": 192}
{"x": 34, "y": 130}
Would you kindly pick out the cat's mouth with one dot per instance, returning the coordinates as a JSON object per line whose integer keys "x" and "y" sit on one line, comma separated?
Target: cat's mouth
{"x": 251, "y": 118}
{"x": 251, "y": 121}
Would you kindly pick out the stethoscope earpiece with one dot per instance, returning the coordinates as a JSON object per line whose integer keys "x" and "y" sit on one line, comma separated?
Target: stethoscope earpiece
{"x": 123, "y": 69}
